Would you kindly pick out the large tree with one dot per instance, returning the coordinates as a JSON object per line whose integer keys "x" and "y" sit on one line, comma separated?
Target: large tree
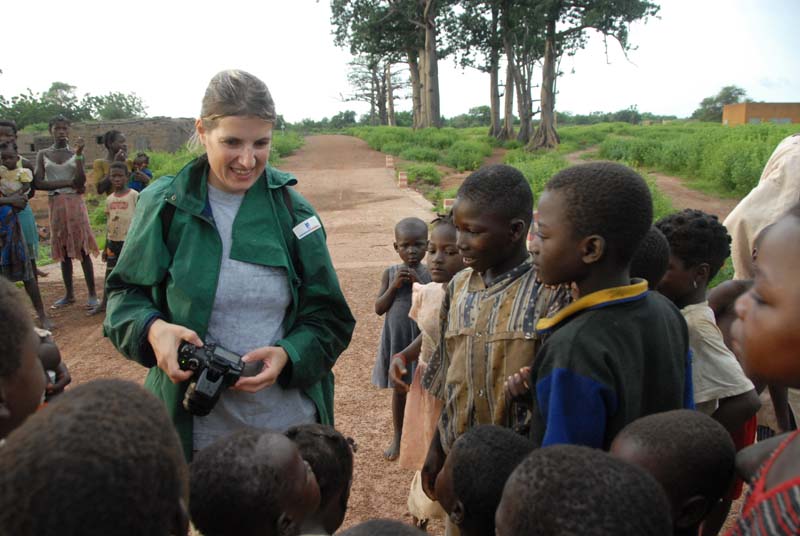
{"x": 711, "y": 107}
{"x": 566, "y": 23}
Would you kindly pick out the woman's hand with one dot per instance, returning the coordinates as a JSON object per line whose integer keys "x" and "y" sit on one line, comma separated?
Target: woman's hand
{"x": 80, "y": 143}
{"x": 273, "y": 360}
{"x": 18, "y": 202}
{"x": 165, "y": 339}
{"x": 397, "y": 369}
{"x": 121, "y": 155}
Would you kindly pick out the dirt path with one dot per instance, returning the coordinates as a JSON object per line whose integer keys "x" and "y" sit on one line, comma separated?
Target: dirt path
{"x": 359, "y": 205}
{"x": 673, "y": 187}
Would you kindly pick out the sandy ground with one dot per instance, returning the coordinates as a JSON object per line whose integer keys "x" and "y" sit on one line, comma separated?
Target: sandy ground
{"x": 359, "y": 204}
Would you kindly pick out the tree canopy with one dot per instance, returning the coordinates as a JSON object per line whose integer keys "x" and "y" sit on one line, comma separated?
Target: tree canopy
{"x": 711, "y": 107}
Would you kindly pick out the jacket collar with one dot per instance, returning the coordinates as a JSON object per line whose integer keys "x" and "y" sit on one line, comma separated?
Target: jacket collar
{"x": 596, "y": 300}
{"x": 189, "y": 190}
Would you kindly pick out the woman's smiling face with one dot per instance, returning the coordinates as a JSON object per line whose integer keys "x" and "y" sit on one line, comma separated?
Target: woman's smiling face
{"x": 238, "y": 151}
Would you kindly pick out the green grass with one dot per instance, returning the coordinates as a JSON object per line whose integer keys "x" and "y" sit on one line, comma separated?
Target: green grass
{"x": 427, "y": 173}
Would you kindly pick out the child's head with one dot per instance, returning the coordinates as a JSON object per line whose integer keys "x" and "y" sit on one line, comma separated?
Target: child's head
{"x": 251, "y": 483}
{"x": 8, "y": 130}
{"x": 569, "y": 489}
{"x": 492, "y": 212}
{"x": 699, "y": 245}
{"x": 9, "y": 156}
{"x": 118, "y": 175}
{"x": 103, "y": 459}
{"x": 330, "y": 456}
{"x": 59, "y": 127}
{"x": 765, "y": 332}
{"x": 382, "y": 527}
{"x": 651, "y": 259}
{"x": 444, "y": 258}
{"x": 22, "y": 379}
{"x": 140, "y": 162}
{"x": 411, "y": 240}
{"x": 114, "y": 141}
{"x": 144, "y": 158}
{"x": 690, "y": 454}
{"x": 591, "y": 217}
{"x": 471, "y": 482}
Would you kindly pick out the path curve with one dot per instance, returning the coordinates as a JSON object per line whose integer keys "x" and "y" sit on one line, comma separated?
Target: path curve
{"x": 359, "y": 204}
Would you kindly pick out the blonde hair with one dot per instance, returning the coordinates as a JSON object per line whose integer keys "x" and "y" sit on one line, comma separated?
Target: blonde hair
{"x": 234, "y": 93}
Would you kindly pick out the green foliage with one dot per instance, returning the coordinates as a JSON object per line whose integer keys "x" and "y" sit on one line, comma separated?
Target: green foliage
{"x": 537, "y": 167}
{"x": 466, "y": 155}
{"x": 38, "y": 108}
{"x": 711, "y": 107}
{"x": 726, "y": 159}
{"x": 426, "y": 173}
{"x": 422, "y": 154}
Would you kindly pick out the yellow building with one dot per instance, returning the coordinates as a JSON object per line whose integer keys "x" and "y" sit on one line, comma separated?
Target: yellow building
{"x": 754, "y": 113}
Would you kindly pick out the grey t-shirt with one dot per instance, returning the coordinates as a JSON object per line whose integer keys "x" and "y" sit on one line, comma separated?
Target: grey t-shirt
{"x": 248, "y": 313}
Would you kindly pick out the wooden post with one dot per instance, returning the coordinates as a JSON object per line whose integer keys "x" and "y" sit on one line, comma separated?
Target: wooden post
{"x": 402, "y": 179}
{"x": 389, "y": 161}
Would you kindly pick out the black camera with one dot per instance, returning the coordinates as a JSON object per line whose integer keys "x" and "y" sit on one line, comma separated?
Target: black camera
{"x": 214, "y": 367}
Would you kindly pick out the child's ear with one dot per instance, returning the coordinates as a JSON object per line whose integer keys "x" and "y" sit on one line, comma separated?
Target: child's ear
{"x": 395, "y": 245}
{"x": 181, "y": 521}
{"x": 286, "y": 526}
{"x": 593, "y": 249}
{"x": 701, "y": 273}
{"x": 518, "y": 229}
{"x": 458, "y": 514}
{"x": 692, "y": 512}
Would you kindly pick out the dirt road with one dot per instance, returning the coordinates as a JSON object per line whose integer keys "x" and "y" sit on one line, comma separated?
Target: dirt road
{"x": 359, "y": 205}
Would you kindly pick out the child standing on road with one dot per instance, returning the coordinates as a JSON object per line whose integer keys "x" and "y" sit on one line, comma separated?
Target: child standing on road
{"x": 394, "y": 300}
{"x": 120, "y": 206}
{"x": 422, "y": 408}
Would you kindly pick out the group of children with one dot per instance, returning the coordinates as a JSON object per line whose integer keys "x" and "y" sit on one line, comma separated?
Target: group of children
{"x": 601, "y": 344}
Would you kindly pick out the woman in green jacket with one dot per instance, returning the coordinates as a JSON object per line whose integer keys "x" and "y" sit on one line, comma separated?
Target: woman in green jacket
{"x": 226, "y": 252}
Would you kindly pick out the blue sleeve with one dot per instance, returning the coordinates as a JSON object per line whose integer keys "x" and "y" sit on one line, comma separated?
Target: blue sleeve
{"x": 688, "y": 385}
{"x": 147, "y": 172}
{"x": 574, "y": 408}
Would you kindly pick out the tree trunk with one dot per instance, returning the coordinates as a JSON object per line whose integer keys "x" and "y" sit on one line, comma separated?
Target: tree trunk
{"x": 494, "y": 78}
{"x": 416, "y": 89}
{"x": 522, "y": 86}
{"x": 389, "y": 95}
{"x": 507, "y": 132}
{"x": 433, "y": 115}
{"x": 546, "y": 136}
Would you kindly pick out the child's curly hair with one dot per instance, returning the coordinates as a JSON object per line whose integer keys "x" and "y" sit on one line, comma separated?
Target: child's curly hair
{"x": 696, "y": 237}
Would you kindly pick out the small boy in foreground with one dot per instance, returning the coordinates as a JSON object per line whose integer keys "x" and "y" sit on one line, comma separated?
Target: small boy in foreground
{"x": 102, "y": 459}
{"x": 489, "y": 312}
{"x": 571, "y": 490}
{"x": 619, "y": 352}
{"x": 690, "y": 454}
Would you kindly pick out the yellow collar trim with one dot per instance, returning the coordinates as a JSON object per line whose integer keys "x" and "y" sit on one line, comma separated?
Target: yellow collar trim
{"x": 595, "y": 300}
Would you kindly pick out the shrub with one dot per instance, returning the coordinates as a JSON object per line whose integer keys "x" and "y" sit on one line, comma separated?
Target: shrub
{"x": 466, "y": 155}
{"x": 422, "y": 154}
{"x": 427, "y": 173}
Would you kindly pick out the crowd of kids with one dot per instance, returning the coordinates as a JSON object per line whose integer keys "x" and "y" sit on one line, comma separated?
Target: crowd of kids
{"x": 586, "y": 384}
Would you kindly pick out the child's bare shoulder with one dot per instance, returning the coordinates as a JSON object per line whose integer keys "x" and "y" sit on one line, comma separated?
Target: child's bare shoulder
{"x": 725, "y": 294}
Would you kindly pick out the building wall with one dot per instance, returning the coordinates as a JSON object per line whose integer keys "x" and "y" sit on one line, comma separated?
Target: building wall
{"x": 760, "y": 112}
{"x": 150, "y": 134}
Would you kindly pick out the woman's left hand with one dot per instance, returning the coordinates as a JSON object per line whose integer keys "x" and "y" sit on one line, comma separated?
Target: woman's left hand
{"x": 273, "y": 358}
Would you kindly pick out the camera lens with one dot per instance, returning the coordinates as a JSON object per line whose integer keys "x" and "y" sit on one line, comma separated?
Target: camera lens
{"x": 194, "y": 363}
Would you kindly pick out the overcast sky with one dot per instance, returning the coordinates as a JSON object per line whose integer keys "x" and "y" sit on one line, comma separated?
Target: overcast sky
{"x": 166, "y": 51}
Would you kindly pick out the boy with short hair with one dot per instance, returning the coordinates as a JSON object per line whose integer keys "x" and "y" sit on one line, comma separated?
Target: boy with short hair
{"x": 619, "y": 352}
{"x": 120, "y": 207}
{"x": 569, "y": 489}
{"x": 251, "y": 483}
{"x": 651, "y": 260}
{"x": 690, "y": 454}
{"x": 22, "y": 378}
{"x": 471, "y": 483}
{"x": 103, "y": 459}
{"x": 489, "y": 312}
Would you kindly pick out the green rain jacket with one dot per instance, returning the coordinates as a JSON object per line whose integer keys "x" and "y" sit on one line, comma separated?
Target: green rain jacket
{"x": 172, "y": 274}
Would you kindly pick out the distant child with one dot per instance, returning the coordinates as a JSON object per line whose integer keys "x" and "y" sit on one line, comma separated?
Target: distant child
{"x": 251, "y": 483}
{"x": 423, "y": 409}
{"x": 690, "y": 454}
{"x": 382, "y": 527}
{"x": 488, "y": 313}
{"x": 22, "y": 379}
{"x": 120, "y": 207}
{"x": 103, "y": 459}
{"x": 17, "y": 261}
{"x": 471, "y": 482}
{"x": 767, "y": 335}
{"x": 699, "y": 245}
{"x": 116, "y": 151}
{"x": 8, "y": 132}
{"x": 58, "y": 376}
{"x": 569, "y": 489}
{"x": 619, "y": 352}
{"x": 330, "y": 456}
{"x": 394, "y": 300}
{"x": 651, "y": 260}
{"x": 140, "y": 176}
